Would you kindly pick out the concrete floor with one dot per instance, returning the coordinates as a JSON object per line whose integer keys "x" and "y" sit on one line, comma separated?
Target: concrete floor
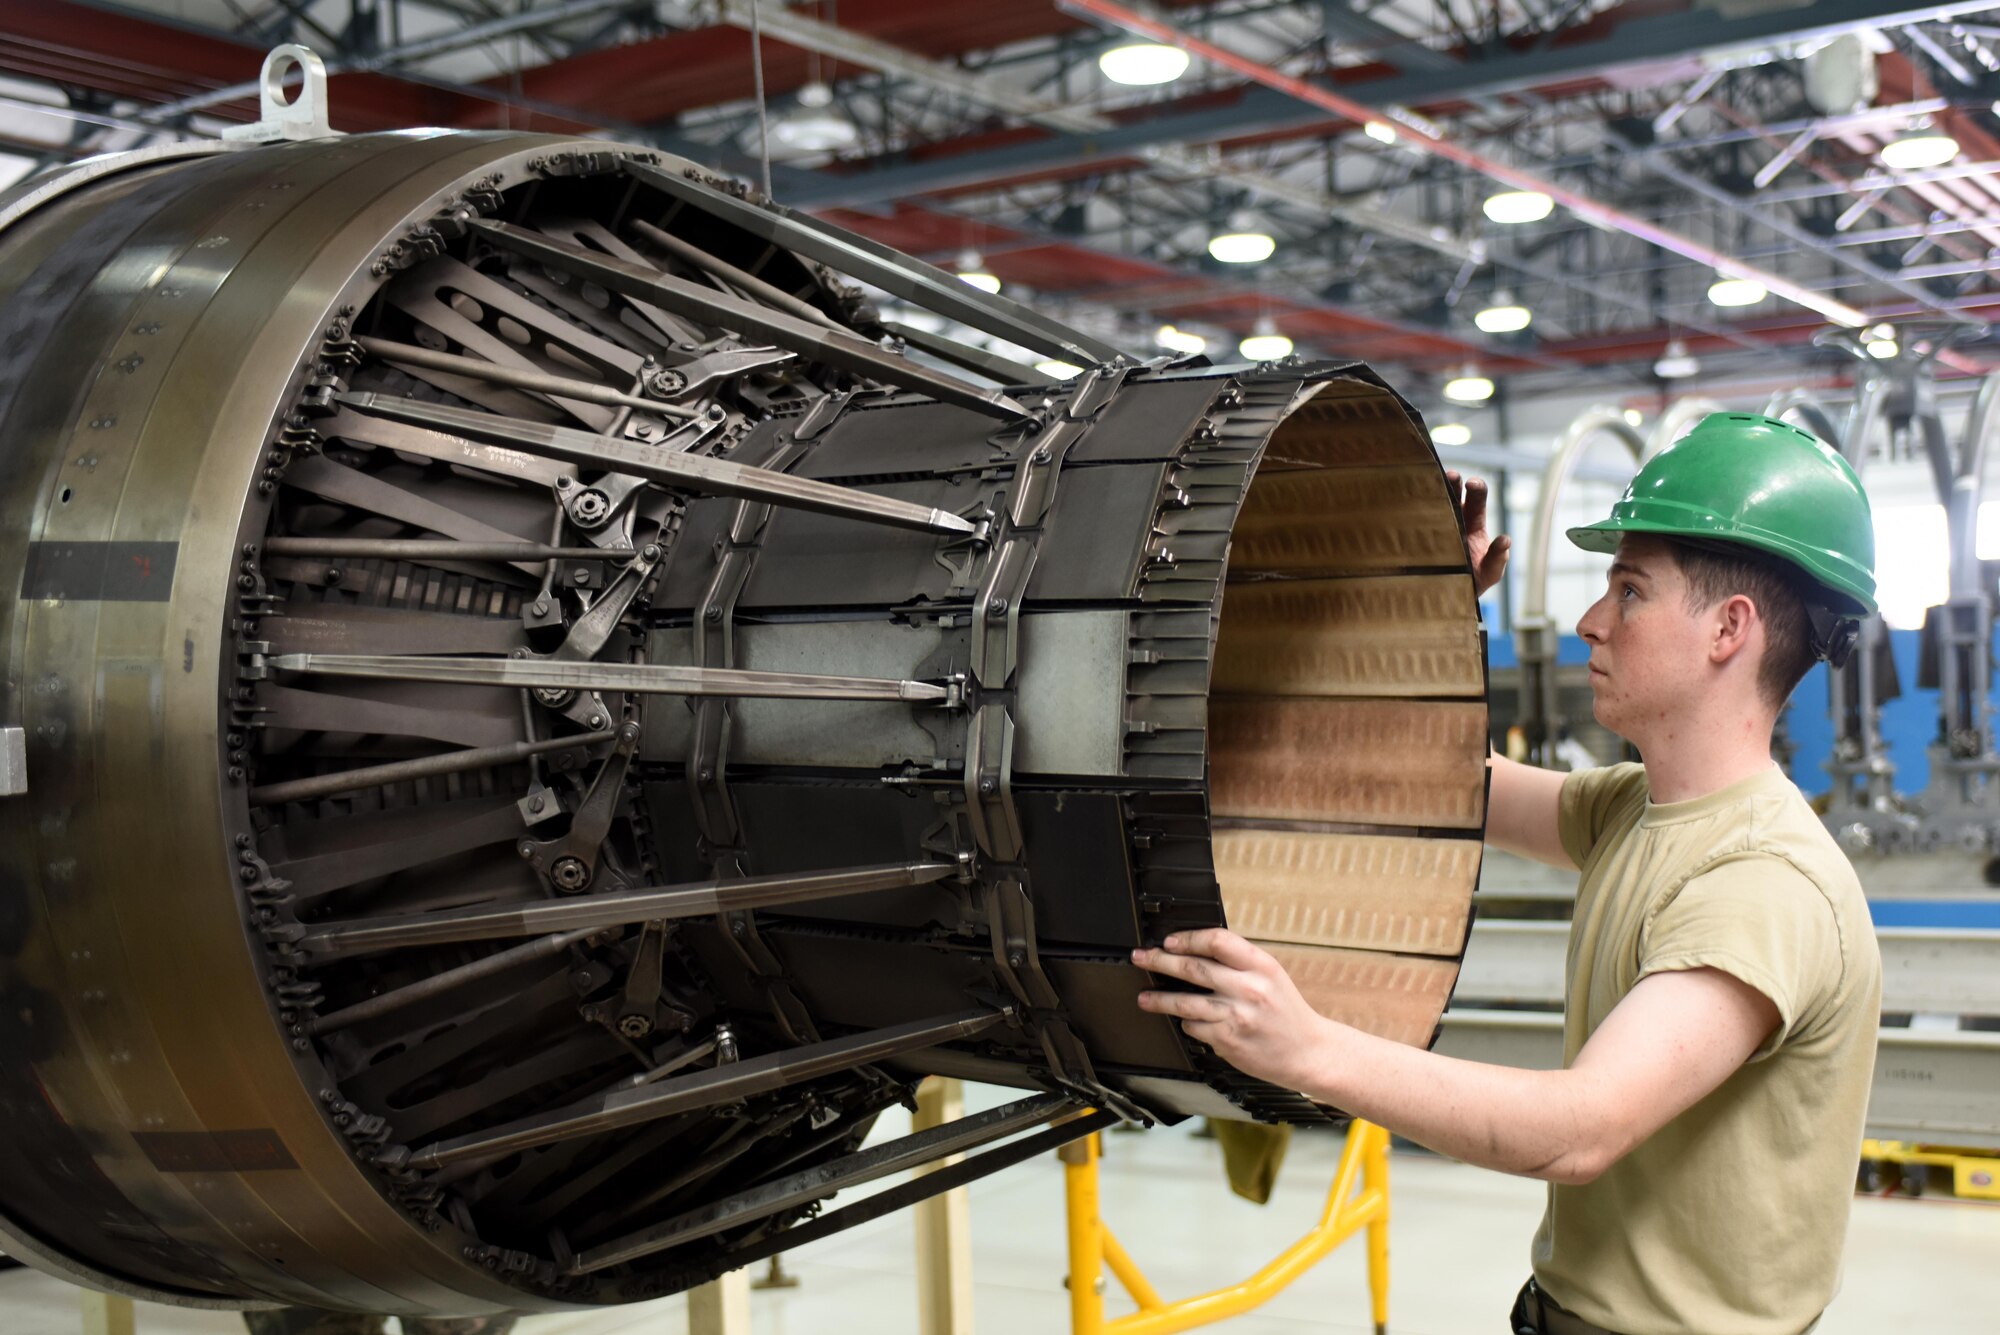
{"x": 1459, "y": 1250}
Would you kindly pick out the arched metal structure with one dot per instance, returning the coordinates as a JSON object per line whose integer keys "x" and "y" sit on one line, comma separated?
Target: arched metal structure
{"x": 542, "y": 717}
{"x": 1535, "y": 634}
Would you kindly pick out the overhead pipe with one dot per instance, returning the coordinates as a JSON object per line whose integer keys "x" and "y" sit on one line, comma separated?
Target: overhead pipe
{"x": 1412, "y": 131}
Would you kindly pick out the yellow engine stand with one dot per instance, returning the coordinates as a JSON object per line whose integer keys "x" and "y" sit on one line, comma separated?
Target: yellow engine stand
{"x": 1093, "y": 1247}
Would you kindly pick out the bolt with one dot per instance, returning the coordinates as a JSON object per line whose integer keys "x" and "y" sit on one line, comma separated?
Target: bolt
{"x": 541, "y": 607}
{"x": 650, "y": 552}
{"x": 525, "y": 849}
{"x": 597, "y": 720}
{"x": 537, "y": 803}
{"x": 570, "y": 874}
{"x": 1015, "y": 959}
{"x": 713, "y": 614}
{"x": 580, "y": 576}
{"x": 997, "y": 607}
{"x": 333, "y": 577}
{"x": 634, "y": 1026}
{"x": 989, "y": 785}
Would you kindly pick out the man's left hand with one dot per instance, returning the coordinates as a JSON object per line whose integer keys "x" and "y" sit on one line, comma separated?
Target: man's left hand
{"x": 1252, "y": 1014}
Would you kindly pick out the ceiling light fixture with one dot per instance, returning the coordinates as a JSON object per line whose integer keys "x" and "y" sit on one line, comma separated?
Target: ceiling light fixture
{"x": 1676, "y": 363}
{"x": 1519, "y": 206}
{"x": 1451, "y": 433}
{"x": 973, "y": 272}
{"x": 1143, "y": 64}
{"x": 1504, "y": 316}
{"x": 1880, "y": 343}
{"x": 1468, "y": 386}
{"x": 1633, "y": 417}
{"x": 1244, "y": 242}
{"x": 816, "y": 127}
{"x": 1736, "y": 292}
{"x": 1915, "y": 152}
{"x": 1056, "y": 370}
{"x": 1180, "y": 340}
{"x": 1265, "y": 343}
{"x": 1380, "y": 131}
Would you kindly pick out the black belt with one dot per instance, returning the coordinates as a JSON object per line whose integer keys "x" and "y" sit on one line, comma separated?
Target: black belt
{"x": 1535, "y": 1313}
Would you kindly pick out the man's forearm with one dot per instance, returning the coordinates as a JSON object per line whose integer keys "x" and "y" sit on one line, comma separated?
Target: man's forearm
{"x": 1532, "y": 1123}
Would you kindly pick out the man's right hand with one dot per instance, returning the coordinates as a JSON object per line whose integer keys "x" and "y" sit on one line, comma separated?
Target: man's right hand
{"x": 1489, "y": 551}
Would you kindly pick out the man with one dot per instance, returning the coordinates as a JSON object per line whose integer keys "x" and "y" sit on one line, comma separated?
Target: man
{"x": 1723, "y": 981}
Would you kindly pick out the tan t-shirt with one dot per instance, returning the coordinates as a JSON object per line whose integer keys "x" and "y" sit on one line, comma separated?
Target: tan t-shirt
{"x": 1729, "y": 1220}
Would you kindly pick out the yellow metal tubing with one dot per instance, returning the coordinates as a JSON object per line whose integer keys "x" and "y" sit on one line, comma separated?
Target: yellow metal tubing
{"x": 1086, "y": 1236}
{"x": 1129, "y": 1274}
{"x": 1364, "y": 1162}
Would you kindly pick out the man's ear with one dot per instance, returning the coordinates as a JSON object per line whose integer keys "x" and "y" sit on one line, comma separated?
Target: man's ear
{"x": 1731, "y": 621}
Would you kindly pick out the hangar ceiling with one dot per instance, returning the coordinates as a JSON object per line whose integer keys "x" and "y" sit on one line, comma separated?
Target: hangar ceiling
{"x": 1747, "y": 133}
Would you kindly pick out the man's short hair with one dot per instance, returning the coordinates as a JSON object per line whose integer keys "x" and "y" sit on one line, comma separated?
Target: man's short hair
{"x": 1723, "y": 570}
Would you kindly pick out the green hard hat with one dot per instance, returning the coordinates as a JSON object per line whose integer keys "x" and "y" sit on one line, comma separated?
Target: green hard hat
{"x": 1755, "y": 481}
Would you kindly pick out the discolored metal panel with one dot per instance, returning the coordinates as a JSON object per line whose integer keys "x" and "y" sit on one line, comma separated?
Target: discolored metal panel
{"x": 1349, "y": 424}
{"x": 925, "y": 438}
{"x": 1152, "y": 422}
{"x": 1277, "y": 532}
{"x": 1398, "y": 636}
{"x": 1071, "y": 688}
{"x": 1397, "y": 997}
{"x": 1361, "y": 761}
{"x": 1364, "y": 891}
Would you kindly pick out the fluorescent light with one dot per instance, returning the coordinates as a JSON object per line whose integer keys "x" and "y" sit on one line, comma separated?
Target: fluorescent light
{"x": 1247, "y": 244}
{"x": 1519, "y": 206}
{"x": 972, "y": 271}
{"x": 1265, "y": 343}
{"x": 816, "y": 127}
{"x": 1265, "y": 347}
{"x": 1179, "y": 340}
{"x": 1505, "y": 318}
{"x": 1142, "y": 64}
{"x": 1058, "y": 370}
{"x": 1380, "y": 131}
{"x": 1633, "y": 417}
{"x": 1881, "y": 349}
{"x": 1468, "y": 387}
{"x": 1451, "y": 433}
{"x": 1914, "y": 152}
{"x": 1736, "y": 292}
{"x": 1676, "y": 363}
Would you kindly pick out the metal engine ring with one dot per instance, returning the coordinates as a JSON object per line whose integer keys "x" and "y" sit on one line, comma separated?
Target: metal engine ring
{"x": 543, "y": 719}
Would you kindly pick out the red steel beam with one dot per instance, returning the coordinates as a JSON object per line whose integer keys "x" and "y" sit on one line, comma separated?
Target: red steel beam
{"x": 157, "y": 61}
